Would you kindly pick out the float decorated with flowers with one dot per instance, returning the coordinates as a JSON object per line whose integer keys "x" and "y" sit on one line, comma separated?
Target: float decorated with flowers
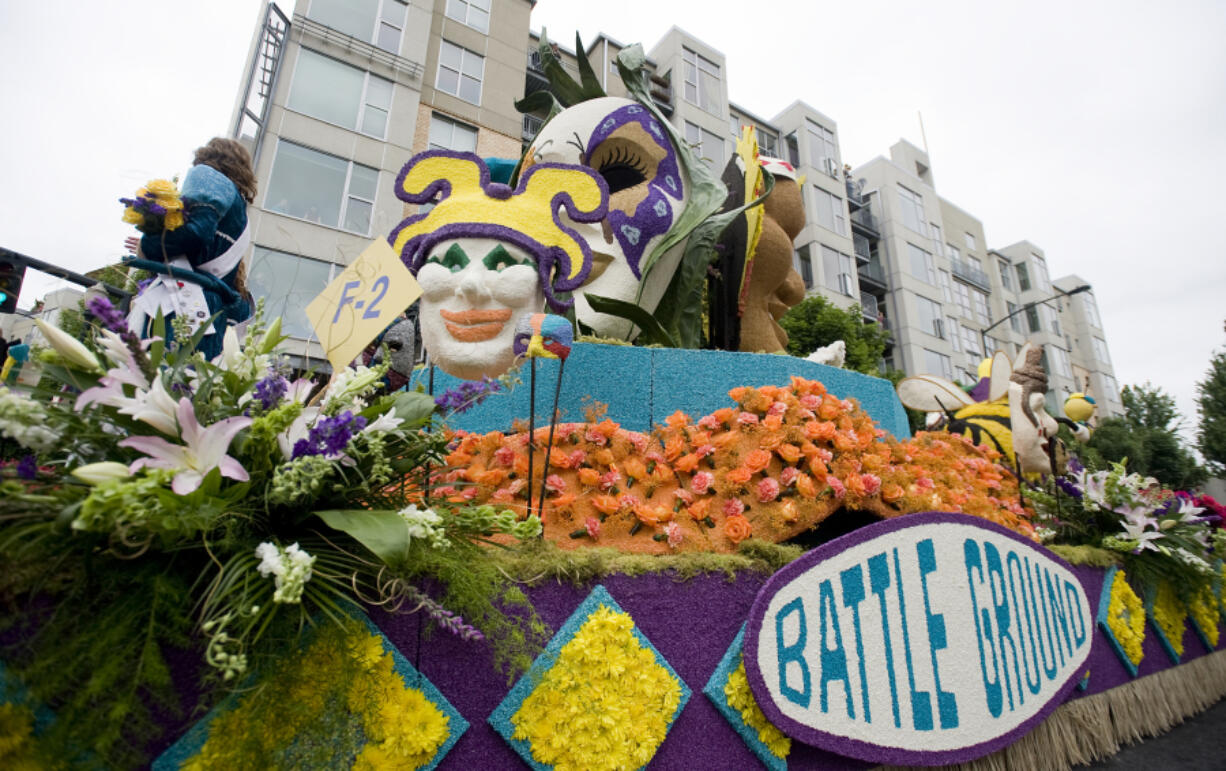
{"x": 687, "y": 555}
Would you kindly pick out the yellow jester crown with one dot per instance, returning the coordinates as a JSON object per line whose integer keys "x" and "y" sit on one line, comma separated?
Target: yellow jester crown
{"x": 469, "y": 205}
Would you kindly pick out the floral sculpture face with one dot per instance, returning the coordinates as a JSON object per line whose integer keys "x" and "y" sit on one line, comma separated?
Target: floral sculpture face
{"x": 621, "y": 141}
{"x": 486, "y": 254}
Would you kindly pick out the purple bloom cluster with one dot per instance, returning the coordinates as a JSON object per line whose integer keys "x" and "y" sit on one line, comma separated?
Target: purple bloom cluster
{"x": 271, "y": 390}
{"x": 107, "y": 314}
{"x": 146, "y": 204}
{"x": 329, "y": 436}
{"x": 1070, "y": 489}
{"x": 27, "y": 468}
{"x": 467, "y": 395}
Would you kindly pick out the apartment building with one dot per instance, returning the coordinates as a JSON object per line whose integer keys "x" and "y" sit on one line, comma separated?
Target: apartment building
{"x": 339, "y": 95}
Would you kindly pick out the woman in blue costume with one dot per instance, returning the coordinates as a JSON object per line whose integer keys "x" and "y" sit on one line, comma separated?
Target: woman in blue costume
{"x": 212, "y": 241}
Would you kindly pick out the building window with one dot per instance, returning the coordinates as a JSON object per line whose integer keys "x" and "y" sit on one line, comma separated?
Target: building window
{"x": 447, "y": 134}
{"x": 838, "y": 270}
{"x": 375, "y": 21}
{"x": 954, "y": 254}
{"x": 1060, "y": 357}
{"x": 989, "y": 345}
{"x": 1015, "y": 319}
{"x": 946, "y": 292}
{"x": 938, "y": 364}
{"x": 474, "y": 13}
{"x": 1109, "y": 388}
{"x": 1100, "y": 350}
{"x": 912, "y": 205}
{"x": 1005, "y": 280}
{"x": 980, "y": 302}
{"x": 823, "y": 153}
{"x": 970, "y": 241}
{"x": 338, "y": 93}
{"x": 459, "y": 72}
{"x": 955, "y": 333}
{"x": 970, "y": 340}
{"x": 1091, "y": 310}
{"x": 1023, "y": 277}
{"x": 701, "y": 81}
{"x": 1032, "y": 319}
{"x": 930, "y": 316}
{"x": 1040, "y": 272}
{"x": 287, "y": 283}
{"x": 922, "y": 265}
{"x": 321, "y": 188}
{"x": 804, "y": 266}
{"x": 768, "y": 144}
{"x": 937, "y": 246}
{"x": 831, "y": 212}
{"x": 793, "y": 150}
{"x": 708, "y": 146}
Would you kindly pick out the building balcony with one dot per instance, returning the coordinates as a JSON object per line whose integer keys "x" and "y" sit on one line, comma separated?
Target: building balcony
{"x": 970, "y": 274}
{"x": 661, "y": 91}
{"x": 872, "y": 279}
{"x": 321, "y": 32}
{"x": 869, "y": 306}
{"x": 863, "y": 220}
{"x": 532, "y": 125}
{"x": 855, "y": 195}
{"x": 862, "y": 247}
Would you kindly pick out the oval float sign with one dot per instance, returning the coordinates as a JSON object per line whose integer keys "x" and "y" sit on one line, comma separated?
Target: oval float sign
{"x": 927, "y": 639}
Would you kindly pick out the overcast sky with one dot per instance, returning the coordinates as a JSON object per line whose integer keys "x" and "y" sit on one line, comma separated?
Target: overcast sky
{"x": 1093, "y": 129}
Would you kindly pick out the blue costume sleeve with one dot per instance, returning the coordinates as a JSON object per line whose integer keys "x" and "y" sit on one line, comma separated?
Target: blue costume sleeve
{"x": 207, "y": 196}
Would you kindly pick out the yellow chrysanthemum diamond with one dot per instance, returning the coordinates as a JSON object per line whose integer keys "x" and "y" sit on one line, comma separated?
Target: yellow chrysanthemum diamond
{"x": 606, "y": 703}
{"x": 1169, "y": 616}
{"x": 740, "y": 698}
{"x": 1205, "y": 614}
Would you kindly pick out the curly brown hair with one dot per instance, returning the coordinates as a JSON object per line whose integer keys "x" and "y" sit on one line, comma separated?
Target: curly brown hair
{"x": 232, "y": 159}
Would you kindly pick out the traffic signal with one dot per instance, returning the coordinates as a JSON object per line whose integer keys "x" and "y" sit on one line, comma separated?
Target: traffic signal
{"x": 12, "y": 273}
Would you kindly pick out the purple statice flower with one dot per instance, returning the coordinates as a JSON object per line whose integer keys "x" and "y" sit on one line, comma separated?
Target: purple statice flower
{"x": 27, "y": 468}
{"x": 142, "y": 284}
{"x": 452, "y": 622}
{"x": 108, "y": 315}
{"x": 329, "y": 436}
{"x": 1074, "y": 465}
{"x": 467, "y": 395}
{"x": 1070, "y": 489}
{"x": 271, "y": 390}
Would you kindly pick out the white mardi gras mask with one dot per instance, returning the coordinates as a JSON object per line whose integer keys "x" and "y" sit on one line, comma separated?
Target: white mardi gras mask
{"x": 621, "y": 141}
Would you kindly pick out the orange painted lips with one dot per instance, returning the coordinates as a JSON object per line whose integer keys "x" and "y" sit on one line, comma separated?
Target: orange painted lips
{"x": 475, "y": 326}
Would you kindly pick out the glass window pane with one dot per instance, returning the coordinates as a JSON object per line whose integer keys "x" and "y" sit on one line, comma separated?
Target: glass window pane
{"x": 355, "y": 18}
{"x": 389, "y": 38}
{"x": 326, "y": 89}
{"x": 393, "y": 12}
{"x": 374, "y": 121}
{"x": 363, "y": 181}
{"x": 464, "y": 138}
{"x": 479, "y": 19}
{"x": 470, "y": 90}
{"x": 379, "y": 92}
{"x": 448, "y": 81}
{"x": 449, "y": 54}
{"x": 306, "y": 183}
{"x": 287, "y": 283}
{"x": 357, "y": 216}
{"x": 472, "y": 65}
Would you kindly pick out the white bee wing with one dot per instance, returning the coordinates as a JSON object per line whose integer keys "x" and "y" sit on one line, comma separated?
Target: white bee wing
{"x": 932, "y": 394}
{"x": 1002, "y": 370}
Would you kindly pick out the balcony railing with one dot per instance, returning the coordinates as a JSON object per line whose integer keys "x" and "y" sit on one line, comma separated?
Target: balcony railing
{"x": 865, "y": 219}
{"x": 411, "y": 69}
{"x": 861, "y": 246}
{"x": 532, "y": 125}
{"x": 868, "y": 304}
{"x": 873, "y": 273}
{"x": 970, "y": 274}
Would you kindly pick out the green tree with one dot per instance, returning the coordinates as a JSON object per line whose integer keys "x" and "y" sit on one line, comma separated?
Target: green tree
{"x": 1211, "y": 404}
{"x": 816, "y": 322}
{"x": 1147, "y": 436}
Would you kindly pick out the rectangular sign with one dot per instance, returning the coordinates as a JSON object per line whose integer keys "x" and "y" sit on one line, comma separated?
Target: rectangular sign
{"x": 361, "y": 302}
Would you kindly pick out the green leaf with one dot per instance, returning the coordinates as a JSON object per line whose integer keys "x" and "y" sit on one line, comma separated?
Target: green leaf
{"x": 413, "y": 407}
{"x": 539, "y": 100}
{"x": 382, "y": 531}
{"x": 650, "y": 330}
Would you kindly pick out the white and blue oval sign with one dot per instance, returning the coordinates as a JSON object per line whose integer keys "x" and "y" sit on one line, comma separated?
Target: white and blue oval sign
{"x": 926, "y": 639}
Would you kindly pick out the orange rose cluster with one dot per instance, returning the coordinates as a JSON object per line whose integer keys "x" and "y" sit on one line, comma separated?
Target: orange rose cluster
{"x": 771, "y": 467}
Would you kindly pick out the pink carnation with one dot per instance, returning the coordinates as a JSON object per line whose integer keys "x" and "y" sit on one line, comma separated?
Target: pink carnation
{"x": 592, "y": 526}
{"x": 577, "y": 458}
{"x": 810, "y": 402}
{"x": 824, "y": 455}
{"x": 639, "y": 441}
{"x": 702, "y": 482}
{"x": 704, "y": 451}
{"x": 685, "y": 495}
{"x": 836, "y": 485}
{"x": 708, "y": 423}
{"x": 673, "y": 531}
{"x": 628, "y": 501}
{"x": 747, "y": 419}
{"x": 554, "y": 484}
{"x": 924, "y": 483}
{"x": 788, "y": 476}
{"x": 778, "y": 408}
{"x": 504, "y": 456}
{"x": 872, "y": 483}
{"x": 595, "y": 437}
{"x": 768, "y": 490}
{"x": 733, "y": 507}
{"x": 609, "y": 479}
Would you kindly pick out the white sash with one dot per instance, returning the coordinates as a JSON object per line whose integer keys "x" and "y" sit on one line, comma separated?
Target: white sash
{"x": 184, "y": 298}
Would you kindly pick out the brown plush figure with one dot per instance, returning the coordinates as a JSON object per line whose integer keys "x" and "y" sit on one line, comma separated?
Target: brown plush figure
{"x": 773, "y": 283}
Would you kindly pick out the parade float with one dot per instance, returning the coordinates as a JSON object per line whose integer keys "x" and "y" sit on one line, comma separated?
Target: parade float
{"x": 680, "y": 553}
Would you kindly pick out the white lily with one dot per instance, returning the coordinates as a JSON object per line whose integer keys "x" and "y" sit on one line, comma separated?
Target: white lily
{"x": 203, "y": 450}
{"x": 155, "y": 407}
{"x": 70, "y": 348}
{"x": 97, "y": 473}
{"x": 297, "y": 430}
{"x": 383, "y": 424}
